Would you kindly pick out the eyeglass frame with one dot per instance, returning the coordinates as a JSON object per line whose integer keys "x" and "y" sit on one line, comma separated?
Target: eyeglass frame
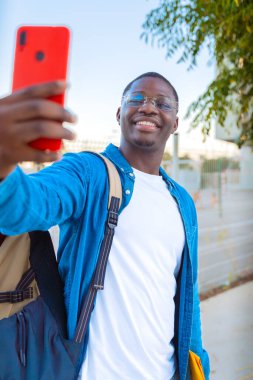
{"x": 153, "y": 100}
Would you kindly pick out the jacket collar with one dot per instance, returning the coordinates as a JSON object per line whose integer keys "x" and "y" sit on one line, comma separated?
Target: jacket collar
{"x": 114, "y": 154}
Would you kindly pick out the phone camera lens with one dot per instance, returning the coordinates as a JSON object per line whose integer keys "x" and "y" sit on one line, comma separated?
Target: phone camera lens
{"x": 22, "y": 38}
{"x": 40, "y": 55}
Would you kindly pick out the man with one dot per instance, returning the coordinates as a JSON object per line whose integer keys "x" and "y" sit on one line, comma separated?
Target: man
{"x": 147, "y": 318}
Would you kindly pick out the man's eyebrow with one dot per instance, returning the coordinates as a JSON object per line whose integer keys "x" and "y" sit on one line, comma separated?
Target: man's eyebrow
{"x": 143, "y": 92}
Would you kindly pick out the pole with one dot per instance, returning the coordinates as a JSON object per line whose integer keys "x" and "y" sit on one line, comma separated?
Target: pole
{"x": 175, "y": 166}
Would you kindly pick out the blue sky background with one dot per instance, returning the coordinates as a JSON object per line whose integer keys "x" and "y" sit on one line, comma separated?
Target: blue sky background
{"x": 106, "y": 54}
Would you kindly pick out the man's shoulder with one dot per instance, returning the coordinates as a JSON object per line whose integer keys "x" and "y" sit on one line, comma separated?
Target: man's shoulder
{"x": 84, "y": 158}
{"x": 83, "y": 166}
{"x": 182, "y": 190}
{"x": 178, "y": 189}
{"x": 183, "y": 197}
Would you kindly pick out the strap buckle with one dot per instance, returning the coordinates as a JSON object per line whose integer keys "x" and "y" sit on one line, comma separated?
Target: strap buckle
{"x": 20, "y": 295}
{"x": 98, "y": 286}
{"x": 112, "y": 220}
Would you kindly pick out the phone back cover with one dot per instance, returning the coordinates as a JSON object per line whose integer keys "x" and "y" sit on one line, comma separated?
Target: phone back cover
{"x": 41, "y": 55}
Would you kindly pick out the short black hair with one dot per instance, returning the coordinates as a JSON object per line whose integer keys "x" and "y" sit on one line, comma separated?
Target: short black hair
{"x": 151, "y": 74}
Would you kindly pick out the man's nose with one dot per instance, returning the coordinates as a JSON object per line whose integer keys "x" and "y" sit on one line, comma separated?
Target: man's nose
{"x": 148, "y": 106}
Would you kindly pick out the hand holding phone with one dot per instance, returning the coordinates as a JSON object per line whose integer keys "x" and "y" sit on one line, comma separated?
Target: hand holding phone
{"x": 41, "y": 55}
{"x": 21, "y": 122}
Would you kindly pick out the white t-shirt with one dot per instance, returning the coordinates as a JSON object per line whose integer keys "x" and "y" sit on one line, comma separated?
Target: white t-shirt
{"x": 132, "y": 325}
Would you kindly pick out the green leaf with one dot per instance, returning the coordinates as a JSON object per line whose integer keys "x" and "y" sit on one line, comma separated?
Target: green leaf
{"x": 225, "y": 28}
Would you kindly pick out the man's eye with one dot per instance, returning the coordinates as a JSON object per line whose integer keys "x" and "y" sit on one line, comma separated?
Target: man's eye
{"x": 164, "y": 106}
{"x": 136, "y": 100}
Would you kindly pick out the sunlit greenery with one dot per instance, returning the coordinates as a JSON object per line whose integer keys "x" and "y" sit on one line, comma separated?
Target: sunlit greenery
{"x": 226, "y": 28}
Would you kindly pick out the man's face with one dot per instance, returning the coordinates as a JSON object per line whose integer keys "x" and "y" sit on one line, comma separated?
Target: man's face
{"x": 147, "y": 126}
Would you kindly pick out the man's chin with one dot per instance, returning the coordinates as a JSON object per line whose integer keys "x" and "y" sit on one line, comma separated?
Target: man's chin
{"x": 144, "y": 143}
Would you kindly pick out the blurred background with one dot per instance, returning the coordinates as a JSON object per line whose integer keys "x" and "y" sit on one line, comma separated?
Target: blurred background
{"x": 107, "y": 52}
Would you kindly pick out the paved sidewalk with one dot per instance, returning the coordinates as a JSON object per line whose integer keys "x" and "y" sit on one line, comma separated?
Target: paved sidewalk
{"x": 227, "y": 320}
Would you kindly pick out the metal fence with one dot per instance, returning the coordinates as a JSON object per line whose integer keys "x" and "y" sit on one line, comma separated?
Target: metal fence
{"x": 225, "y": 212}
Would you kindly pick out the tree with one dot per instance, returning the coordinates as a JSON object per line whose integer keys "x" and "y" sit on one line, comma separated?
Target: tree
{"x": 226, "y": 28}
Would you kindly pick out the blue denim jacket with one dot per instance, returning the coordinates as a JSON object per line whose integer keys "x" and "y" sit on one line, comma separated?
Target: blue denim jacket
{"x": 73, "y": 193}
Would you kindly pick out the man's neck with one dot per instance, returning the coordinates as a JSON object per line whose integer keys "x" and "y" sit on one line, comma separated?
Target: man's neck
{"x": 146, "y": 161}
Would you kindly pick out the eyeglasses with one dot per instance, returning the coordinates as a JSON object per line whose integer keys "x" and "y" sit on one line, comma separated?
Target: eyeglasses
{"x": 138, "y": 99}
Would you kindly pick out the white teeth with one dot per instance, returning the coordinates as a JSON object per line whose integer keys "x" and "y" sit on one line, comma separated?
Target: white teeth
{"x": 146, "y": 123}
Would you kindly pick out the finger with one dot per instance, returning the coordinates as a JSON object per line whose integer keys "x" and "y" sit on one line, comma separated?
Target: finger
{"x": 34, "y": 155}
{"x": 35, "y": 129}
{"x": 39, "y": 109}
{"x": 43, "y": 90}
{"x": 43, "y": 156}
{"x": 23, "y": 152}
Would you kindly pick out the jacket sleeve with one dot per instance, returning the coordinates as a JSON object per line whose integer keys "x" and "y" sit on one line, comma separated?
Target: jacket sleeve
{"x": 196, "y": 341}
{"x": 44, "y": 199}
{"x": 196, "y": 337}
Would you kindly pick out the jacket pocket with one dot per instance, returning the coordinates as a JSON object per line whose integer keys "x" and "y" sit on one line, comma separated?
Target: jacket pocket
{"x": 196, "y": 368}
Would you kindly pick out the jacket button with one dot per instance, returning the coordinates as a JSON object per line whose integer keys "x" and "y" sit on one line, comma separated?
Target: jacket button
{"x": 128, "y": 192}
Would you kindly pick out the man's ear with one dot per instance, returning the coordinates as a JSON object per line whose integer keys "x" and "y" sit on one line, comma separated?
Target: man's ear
{"x": 175, "y": 126}
{"x": 118, "y": 115}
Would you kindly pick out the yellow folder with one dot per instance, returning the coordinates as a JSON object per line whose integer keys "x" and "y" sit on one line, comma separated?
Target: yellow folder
{"x": 196, "y": 368}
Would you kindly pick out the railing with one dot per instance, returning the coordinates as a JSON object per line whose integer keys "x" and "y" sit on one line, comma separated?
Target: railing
{"x": 225, "y": 213}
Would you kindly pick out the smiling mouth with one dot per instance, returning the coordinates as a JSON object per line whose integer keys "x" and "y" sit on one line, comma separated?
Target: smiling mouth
{"x": 146, "y": 126}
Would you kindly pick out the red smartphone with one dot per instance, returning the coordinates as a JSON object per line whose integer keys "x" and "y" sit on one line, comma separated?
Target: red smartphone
{"x": 41, "y": 55}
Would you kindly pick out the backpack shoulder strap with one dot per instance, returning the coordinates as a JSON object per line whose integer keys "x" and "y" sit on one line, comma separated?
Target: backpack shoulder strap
{"x": 97, "y": 282}
{"x": 115, "y": 188}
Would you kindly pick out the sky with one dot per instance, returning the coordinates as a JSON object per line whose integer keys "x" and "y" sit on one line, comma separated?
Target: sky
{"x": 106, "y": 54}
